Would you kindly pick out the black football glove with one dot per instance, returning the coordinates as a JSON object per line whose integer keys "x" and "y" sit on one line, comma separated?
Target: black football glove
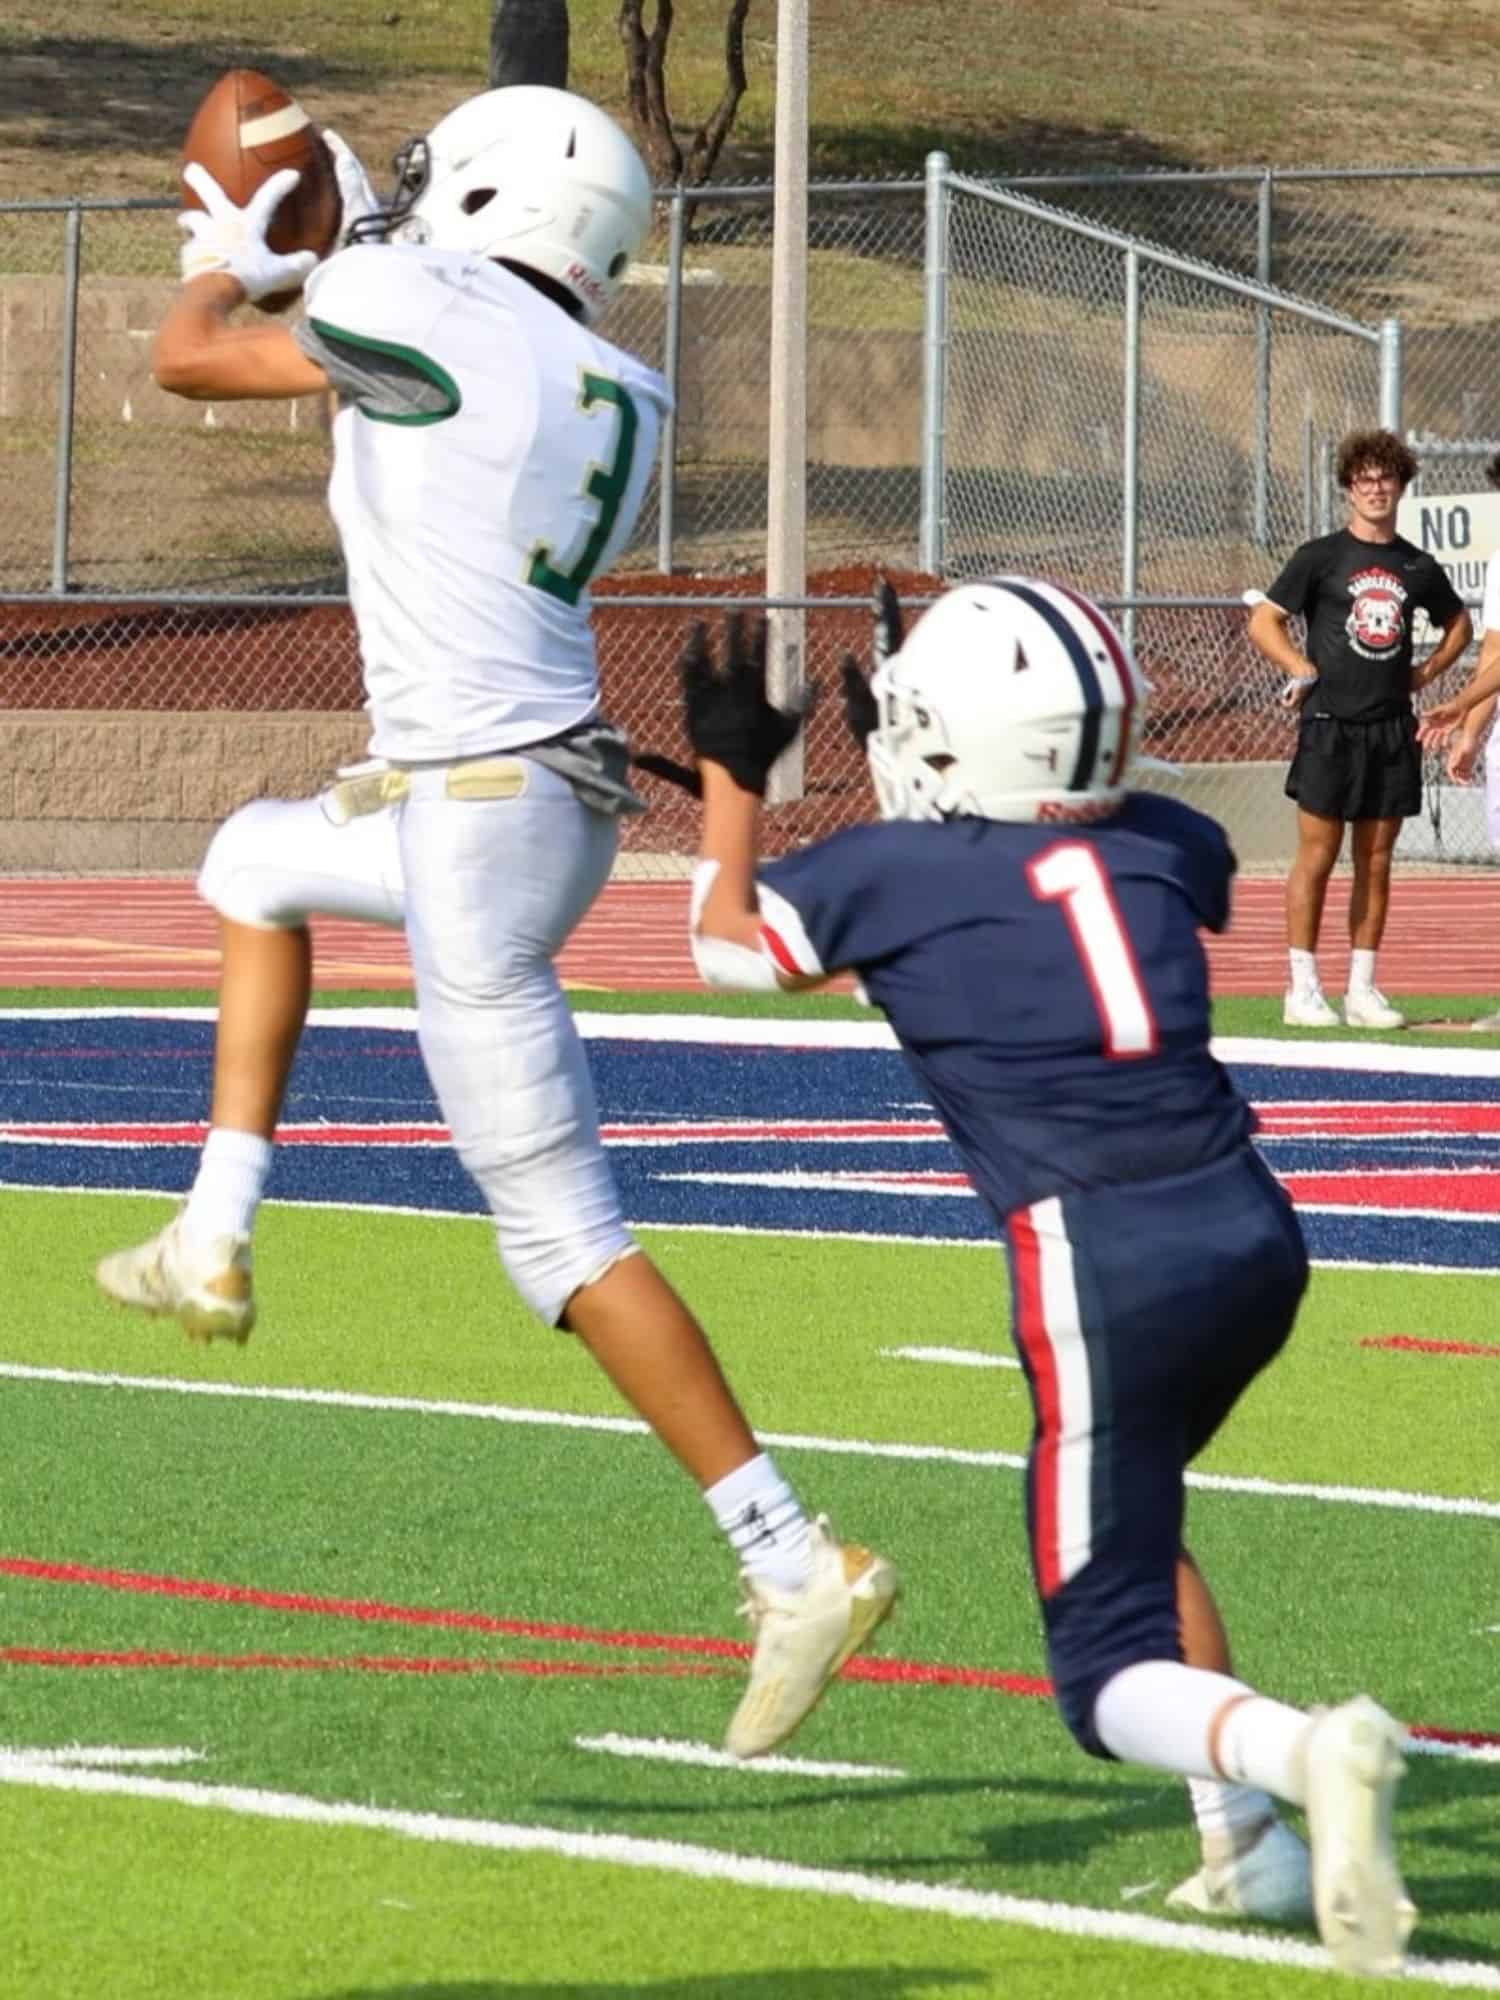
{"x": 730, "y": 718}
{"x": 861, "y": 710}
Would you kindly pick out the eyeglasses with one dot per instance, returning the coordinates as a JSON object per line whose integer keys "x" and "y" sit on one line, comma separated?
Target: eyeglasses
{"x": 1374, "y": 479}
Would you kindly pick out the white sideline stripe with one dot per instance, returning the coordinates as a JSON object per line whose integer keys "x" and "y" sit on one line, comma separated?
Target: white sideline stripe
{"x": 772, "y": 1234}
{"x": 750, "y": 1031}
{"x": 955, "y": 1357}
{"x": 663, "y": 1750}
{"x": 92, "y": 1758}
{"x": 346, "y": 1399}
{"x": 711, "y": 1865}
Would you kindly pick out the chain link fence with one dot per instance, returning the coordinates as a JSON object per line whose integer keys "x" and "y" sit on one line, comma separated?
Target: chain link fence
{"x": 1106, "y": 377}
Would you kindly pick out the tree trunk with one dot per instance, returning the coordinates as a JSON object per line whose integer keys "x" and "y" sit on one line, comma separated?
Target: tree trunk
{"x": 646, "y": 89}
{"x": 529, "y": 43}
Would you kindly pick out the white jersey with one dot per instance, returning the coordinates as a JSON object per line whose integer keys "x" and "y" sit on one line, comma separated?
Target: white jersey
{"x": 1489, "y": 615}
{"x": 490, "y": 459}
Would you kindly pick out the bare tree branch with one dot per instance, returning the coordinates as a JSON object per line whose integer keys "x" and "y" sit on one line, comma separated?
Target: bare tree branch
{"x": 708, "y": 140}
{"x": 646, "y": 88}
{"x": 646, "y": 85}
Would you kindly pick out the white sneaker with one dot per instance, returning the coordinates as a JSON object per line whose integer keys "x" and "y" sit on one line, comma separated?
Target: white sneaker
{"x": 1371, "y": 1009}
{"x": 1307, "y": 1010}
{"x": 803, "y": 1637}
{"x": 206, "y": 1285}
{"x": 1353, "y": 1766}
{"x": 1271, "y": 1880}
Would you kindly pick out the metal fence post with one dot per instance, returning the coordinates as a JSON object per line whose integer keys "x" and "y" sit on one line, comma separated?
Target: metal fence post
{"x": 1263, "y": 224}
{"x": 1325, "y": 486}
{"x": 671, "y": 367}
{"x": 932, "y": 531}
{"x": 1390, "y": 374}
{"x": 1130, "y": 498}
{"x": 62, "y": 508}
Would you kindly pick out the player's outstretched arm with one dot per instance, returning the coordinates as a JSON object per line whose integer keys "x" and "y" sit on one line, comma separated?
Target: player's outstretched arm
{"x": 225, "y": 261}
{"x": 737, "y": 733}
{"x": 1440, "y": 722}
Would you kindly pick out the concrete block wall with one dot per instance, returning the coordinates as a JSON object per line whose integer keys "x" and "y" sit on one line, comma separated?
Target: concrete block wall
{"x": 91, "y": 791}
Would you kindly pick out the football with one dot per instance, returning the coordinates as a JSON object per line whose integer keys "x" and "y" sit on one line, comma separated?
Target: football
{"x": 246, "y": 129}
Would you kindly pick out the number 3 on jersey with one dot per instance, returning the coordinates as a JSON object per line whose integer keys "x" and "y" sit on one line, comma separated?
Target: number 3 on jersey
{"x": 1070, "y": 874}
{"x": 605, "y": 485}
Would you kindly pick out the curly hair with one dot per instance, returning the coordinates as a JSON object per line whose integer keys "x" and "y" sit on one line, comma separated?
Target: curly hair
{"x": 1380, "y": 451}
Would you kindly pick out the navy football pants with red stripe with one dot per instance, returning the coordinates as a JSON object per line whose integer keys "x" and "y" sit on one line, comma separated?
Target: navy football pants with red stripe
{"x": 1141, "y": 1315}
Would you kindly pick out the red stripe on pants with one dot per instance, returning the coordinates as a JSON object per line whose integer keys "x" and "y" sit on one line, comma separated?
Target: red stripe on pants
{"x": 1031, "y": 1334}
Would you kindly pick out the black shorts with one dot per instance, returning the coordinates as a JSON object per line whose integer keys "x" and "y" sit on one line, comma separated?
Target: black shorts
{"x": 1357, "y": 770}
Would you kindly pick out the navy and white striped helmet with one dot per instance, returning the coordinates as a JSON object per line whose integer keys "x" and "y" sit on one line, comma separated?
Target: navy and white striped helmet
{"x": 1014, "y": 699}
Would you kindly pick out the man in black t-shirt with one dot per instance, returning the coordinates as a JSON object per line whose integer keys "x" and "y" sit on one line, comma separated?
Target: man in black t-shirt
{"x": 1357, "y": 759}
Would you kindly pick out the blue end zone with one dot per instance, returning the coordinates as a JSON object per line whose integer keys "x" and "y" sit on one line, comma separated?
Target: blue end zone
{"x": 124, "y": 1075}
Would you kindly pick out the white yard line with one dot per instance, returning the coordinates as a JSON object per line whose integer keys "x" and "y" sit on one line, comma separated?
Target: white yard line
{"x": 742, "y": 1031}
{"x": 954, "y": 1357}
{"x": 498, "y": 1413}
{"x": 664, "y": 1750}
{"x": 95, "y": 1757}
{"x": 708, "y": 1864}
{"x": 1463, "y": 1753}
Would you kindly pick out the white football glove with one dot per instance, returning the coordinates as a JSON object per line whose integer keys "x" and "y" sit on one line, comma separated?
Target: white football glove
{"x": 355, "y": 192}
{"x": 221, "y": 237}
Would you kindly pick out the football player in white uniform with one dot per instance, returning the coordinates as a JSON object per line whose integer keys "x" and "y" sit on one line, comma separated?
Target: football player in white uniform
{"x": 491, "y": 452}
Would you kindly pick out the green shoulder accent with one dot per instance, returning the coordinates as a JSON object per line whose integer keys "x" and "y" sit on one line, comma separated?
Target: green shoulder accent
{"x": 423, "y": 364}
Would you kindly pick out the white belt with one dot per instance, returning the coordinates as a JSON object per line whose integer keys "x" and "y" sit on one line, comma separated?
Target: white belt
{"x": 368, "y": 791}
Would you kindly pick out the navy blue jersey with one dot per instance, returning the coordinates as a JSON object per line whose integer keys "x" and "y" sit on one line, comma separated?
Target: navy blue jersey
{"x": 1047, "y": 983}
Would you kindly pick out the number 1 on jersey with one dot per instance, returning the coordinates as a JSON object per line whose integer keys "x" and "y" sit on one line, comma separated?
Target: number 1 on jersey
{"x": 603, "y": 484}
{"x": 1070, "y": 874}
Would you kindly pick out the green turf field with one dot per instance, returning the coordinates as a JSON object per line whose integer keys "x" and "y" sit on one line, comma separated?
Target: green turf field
{"x": 377, "y": 1647}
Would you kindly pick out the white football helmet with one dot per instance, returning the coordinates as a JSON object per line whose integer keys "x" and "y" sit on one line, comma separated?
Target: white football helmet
{"x": 1014, "y": 699}
{"x": 535, "y": 175}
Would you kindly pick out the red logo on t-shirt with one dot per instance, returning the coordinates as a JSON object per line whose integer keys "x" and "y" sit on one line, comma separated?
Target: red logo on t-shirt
{"x": 1376, "y": 624}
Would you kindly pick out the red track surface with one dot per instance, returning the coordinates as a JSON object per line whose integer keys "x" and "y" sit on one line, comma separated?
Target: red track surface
{"x": 1443, "y": 937}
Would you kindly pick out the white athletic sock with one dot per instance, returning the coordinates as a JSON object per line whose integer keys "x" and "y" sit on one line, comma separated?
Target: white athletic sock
{"x": 1304, "y": 966}
{"x": 1361, "y": 971}
{"x": 1163, "y": 1714}
{"x": 1159, "y": 1712}
{"x": 764, "y": 1522}
{"x": 1263, "y": 1742}
{"x": 1230, "y": 1818}
{"x": 232, "y": 1176}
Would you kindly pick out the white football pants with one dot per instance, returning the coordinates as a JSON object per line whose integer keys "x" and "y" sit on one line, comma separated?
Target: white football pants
{"x": 489, "y": 890}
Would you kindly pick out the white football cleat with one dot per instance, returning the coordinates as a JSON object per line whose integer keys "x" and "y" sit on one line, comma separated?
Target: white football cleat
{"x": 1271, "y": 1880}
{"x": 1353, "y": 1767}
{"x": 1371, "y": 1009}
{"x": 1307, "y": 1010}
{"x": 803, "y": 1637}
{"x": 207, "y": 1286}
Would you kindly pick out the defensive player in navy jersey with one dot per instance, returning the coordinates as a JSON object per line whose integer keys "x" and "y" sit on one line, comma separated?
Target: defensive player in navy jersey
{"x": 1030, "y": 928}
